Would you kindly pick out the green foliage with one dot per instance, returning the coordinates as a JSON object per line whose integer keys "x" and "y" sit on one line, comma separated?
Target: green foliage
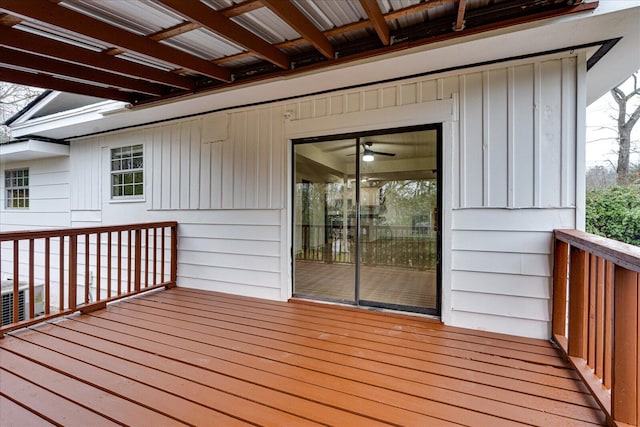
{"x": 614, "y": 212}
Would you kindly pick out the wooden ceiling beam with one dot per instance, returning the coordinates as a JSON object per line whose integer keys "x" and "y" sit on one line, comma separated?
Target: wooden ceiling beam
{"x": 290, "y": 14}
{"x": 60, "y": 68}
{"x": 48, "y": 82}
{"x": 62, "y": 17}
{"x": 22, "y": 40}
{"x": 377, "y": 20}
{"x": 225, "y": 27}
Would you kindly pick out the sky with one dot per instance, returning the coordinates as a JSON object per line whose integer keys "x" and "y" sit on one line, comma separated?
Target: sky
{"x": 602, "y": 130}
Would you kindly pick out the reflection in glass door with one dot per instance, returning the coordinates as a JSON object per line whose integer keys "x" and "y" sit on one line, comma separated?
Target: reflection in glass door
{"x": 366, "y": 219}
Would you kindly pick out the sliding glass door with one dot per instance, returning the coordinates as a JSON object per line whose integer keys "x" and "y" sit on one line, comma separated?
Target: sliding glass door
{"x": 366, "y": 219}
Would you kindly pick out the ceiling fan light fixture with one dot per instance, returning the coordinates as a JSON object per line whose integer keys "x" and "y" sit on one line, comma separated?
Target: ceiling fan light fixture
{"x": 367, "y": 155}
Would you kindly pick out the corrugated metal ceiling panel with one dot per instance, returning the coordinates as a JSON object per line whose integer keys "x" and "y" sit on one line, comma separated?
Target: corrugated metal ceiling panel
{"x": 267, "y": 25}
{"x": 143, "y": 17}
{"x": 331, "y": 14}
{"x": 203, "y": 43}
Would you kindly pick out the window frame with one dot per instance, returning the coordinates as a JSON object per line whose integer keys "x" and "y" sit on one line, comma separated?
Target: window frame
{"x": 11, "y": 186}
{"x": 126, "y": 166}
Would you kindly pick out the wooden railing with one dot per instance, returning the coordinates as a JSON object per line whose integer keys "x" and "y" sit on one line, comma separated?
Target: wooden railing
{"x": 595, "y": 318}
{"x": 51, "y": 273}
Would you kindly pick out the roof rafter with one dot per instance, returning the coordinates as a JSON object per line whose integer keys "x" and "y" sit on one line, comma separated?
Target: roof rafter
{"x": 377, "y": 20}
{"x": 44, "y": 46}
{"x": 48, "y": 82}
{"x": 56, "y": 67}
{"x": 290, "y": 14}
{"x": 459, "y": 25}
{"x": 62, "y": 17}
{"x": 223, "y": 26}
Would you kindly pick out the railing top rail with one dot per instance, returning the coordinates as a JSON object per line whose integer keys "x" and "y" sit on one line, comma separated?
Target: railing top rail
{"x": 41, "y": 234}
{"x": 622, "y": 254}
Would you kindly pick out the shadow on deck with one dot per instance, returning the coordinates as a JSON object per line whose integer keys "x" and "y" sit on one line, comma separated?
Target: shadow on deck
{"x": 185, "y": 356}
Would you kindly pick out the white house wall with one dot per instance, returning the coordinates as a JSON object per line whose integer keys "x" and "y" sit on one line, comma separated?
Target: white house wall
{"x": 48, "y": 196}
{"x": 509, "y": 179}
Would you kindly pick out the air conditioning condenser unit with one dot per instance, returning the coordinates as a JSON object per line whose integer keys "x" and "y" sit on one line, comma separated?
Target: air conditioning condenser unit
{"x": 23, "y": 301}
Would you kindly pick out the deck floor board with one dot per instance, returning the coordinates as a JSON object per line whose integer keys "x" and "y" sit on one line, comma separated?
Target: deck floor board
{"x": 203, "y": 358}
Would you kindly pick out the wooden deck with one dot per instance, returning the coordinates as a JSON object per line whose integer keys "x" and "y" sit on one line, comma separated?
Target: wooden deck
{"x": 185, "y": 356}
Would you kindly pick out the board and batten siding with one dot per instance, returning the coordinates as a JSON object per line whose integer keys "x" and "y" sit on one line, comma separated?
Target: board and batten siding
{"x": 510, "y": 157}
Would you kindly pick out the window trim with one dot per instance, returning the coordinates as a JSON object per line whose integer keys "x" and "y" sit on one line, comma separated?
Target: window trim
{"x": 9, "y": 176}
{"x": 126, "y": 170}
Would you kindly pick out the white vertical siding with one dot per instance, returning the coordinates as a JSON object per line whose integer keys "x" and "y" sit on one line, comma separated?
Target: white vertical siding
{"x": 517, "y": 136}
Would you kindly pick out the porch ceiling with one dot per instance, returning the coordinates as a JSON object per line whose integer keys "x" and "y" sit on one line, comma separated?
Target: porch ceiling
{"x": 140, "y": 51}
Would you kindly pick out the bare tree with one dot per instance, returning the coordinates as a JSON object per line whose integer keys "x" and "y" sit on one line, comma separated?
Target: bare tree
{"x": 626, "y": 122}
{"x": 12, "y": 99}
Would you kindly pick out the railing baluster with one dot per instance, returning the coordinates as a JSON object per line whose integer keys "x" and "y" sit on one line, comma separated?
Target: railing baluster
{"x": 600, "y": 318}
{"x": 61, "y": 277}
{"x": 577, "y": 303}
{"x": 109, "y": 263}
{"x": 47, "y": 276}
{"x": 624, "y": 404}
{"x": 73, "y": 271}
{"x": 146, "y": 258}
{"x": 608, "y": 324}
{"x": 98, "y": 265}
{"x": 16, "y": 274}
{"x": 138, "y": 260}
{"x": 162, "y": 236}
{"x": 561, "y": 254}
{"x": 155, "y": 255}
{"x": 119, "y": 263}
{"x": 32, "y": 287}
{"x": 174, "y": 254}
{"x": 86, "y": 269}
{"x": 591, "y": 314}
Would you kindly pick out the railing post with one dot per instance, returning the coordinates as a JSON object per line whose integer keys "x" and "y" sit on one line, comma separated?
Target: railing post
{"x": 577, "y": 345}
{"x": 624, "y": 390}
{"x": 560, "y": 265}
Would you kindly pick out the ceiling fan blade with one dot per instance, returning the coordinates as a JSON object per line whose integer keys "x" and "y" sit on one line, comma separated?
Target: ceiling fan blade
{"x": 383, "y": 154}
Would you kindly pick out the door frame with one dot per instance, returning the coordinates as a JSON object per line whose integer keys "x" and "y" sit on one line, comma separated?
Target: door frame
{"x": 357, "y": 302}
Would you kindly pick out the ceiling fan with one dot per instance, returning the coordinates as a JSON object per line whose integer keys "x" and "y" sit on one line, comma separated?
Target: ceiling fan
{"x": 368, "y": 154}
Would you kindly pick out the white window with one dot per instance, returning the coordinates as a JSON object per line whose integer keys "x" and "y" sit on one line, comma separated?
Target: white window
{"x": 16, "y": 184}
{"x": 127, "y": 174}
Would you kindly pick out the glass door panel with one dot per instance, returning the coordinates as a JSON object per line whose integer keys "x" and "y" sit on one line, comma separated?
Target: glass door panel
{"x": 324, "y": 222}
{"x": 398, "y": 220}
